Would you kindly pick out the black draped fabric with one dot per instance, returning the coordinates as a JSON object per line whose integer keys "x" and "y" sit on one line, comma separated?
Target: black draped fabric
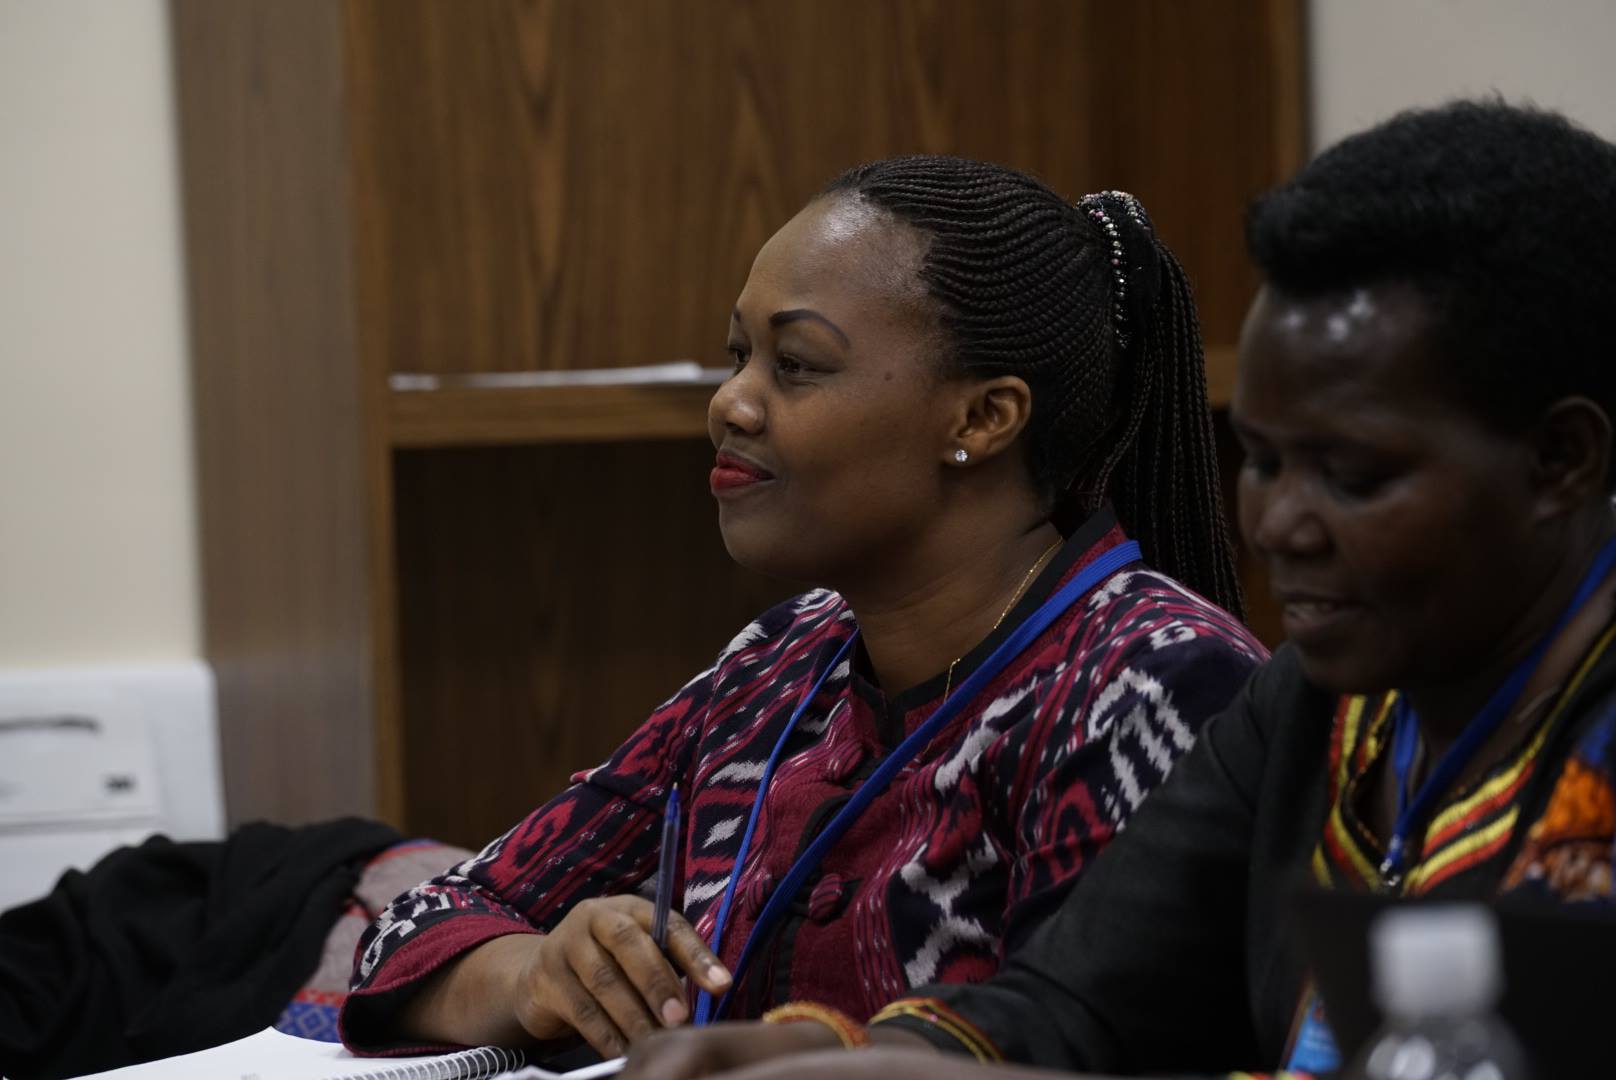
{"x": 167, "y": 947}
{"x": 1172, "y": 956}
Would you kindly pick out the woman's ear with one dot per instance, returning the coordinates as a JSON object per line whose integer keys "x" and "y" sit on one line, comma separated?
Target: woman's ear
{"x": 1571, "y": 457}
{"x": 989, "y": 416}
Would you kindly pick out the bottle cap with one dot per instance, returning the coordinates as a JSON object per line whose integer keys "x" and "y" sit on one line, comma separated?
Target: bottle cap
{"x": 1438, "y": 960}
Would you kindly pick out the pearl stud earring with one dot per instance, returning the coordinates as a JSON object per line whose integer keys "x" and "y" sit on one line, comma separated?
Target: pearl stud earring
{"x": 962, "y": 455}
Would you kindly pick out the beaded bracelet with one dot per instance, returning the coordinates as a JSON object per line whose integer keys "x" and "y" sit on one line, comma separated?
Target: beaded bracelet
{"x": 934, "y": 1013}
{"x": 851, "y": 1033}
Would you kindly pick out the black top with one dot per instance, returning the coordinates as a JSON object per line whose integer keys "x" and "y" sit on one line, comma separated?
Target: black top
{"x": 1171, "y": 955}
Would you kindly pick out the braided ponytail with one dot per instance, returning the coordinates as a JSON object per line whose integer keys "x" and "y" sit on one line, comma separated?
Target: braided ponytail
{"x": 1099, "y": 322}
{"x": 1163, "y": 477}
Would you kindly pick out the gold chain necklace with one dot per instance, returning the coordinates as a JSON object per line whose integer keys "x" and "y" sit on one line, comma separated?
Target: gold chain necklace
{"x": 948, "y": 683}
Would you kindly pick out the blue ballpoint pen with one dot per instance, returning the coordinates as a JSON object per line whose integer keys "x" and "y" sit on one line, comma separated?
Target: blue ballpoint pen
{"x": 664, "y": 887}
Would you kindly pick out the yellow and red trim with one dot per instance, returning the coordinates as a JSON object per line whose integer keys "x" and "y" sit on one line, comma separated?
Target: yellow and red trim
{"x": 940, "y": 1016}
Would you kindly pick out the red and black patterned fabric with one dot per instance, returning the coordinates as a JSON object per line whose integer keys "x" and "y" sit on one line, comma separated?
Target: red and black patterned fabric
{"x": 969, "y": 848}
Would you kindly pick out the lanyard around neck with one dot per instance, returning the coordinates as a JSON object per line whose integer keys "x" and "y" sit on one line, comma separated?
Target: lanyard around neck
{"x": 774, "y": 910}
{"x": 1411, "y": 810}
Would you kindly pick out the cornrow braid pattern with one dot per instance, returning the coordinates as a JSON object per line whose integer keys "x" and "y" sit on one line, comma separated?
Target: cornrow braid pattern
{"x": 1027, "y": 285}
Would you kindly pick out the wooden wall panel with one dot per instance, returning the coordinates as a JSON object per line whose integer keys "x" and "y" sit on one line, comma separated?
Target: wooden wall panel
{"x": 550, "y": 597}
{"x": 279, "y": 447}
{"x": 1195, "y": 119}
{"x": 568, "y": 183}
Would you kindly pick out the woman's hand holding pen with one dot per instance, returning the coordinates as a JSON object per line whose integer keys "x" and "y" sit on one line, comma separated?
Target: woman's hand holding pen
{"x": 606, "y": 972}
{"x": 600, "y": 974}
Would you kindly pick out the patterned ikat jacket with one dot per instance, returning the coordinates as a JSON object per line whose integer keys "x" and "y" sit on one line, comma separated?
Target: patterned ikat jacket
{"x": 974, "y": 842}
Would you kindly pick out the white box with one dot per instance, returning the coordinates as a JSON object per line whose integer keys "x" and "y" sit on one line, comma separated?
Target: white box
{"x": 91, "y": 759}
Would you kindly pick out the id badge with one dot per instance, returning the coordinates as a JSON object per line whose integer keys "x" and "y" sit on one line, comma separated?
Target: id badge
{"x": 1313, "y": 1048}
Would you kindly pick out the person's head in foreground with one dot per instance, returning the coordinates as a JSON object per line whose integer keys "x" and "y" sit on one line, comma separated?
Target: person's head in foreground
{"x": 1424, "y": 399}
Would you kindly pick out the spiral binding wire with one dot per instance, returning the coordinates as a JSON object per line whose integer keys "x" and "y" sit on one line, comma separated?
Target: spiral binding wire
{"x": 478, "y": 1064}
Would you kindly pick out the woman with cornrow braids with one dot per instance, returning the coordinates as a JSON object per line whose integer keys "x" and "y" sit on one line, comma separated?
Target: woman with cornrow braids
{"x": 972, "y": 415}
{"x": 1426, "y": 403}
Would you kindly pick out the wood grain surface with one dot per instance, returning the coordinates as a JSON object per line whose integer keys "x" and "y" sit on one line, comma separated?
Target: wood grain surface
{"x": 568, "y": 183}
{"x": 283, "y": 492}
{"x": 550, "y": 597}
{"x": 469, "y": 416}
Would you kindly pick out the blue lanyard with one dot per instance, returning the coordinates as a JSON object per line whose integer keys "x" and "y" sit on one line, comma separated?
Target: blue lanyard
{"x": 1406, "y": 730}
{"x": 1109, "y": 561}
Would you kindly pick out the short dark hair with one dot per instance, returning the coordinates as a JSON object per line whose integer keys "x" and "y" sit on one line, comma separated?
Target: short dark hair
{"x": 1026, "y": 285}
{"x": 1501, "y": 218}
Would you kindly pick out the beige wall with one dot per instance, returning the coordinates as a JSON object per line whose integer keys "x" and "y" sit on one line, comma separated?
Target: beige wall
{"x": 1370, "y": 58}
{"x": 97, "y": 552}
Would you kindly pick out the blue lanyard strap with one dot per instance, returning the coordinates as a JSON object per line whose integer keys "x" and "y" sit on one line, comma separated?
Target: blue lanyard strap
{"x": 704, "y": 1002}
{"x": 1109, "y": 561}
{"x": 1406, "y": 730}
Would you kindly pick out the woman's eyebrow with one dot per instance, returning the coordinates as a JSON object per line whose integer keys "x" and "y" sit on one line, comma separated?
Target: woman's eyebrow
{"x": 780, "y": 318}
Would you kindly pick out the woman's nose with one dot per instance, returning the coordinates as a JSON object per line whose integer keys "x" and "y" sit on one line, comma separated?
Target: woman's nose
{"x": 1282, "y": 519}
{"x": 735, "y": 406}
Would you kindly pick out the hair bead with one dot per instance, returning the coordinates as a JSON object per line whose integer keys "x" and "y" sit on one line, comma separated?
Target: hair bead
{"x": 1094, "y": 206}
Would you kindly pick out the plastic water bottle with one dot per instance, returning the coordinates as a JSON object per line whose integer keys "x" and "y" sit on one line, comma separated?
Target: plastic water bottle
{"x": 1438, "y": 978}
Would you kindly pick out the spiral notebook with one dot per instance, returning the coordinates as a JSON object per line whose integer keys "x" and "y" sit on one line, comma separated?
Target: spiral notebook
{"x": 273, "y": 1055}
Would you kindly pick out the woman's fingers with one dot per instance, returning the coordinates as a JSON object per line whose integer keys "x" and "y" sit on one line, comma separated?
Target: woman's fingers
{"x": 579, "y": 1006}
{"x": 600, "y": 973}
{"x": 694, "y": 957}
{"x": 644, "y": 978}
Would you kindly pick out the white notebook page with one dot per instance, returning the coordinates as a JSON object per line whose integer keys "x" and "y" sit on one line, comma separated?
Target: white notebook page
{"x": 272, "y": 1055}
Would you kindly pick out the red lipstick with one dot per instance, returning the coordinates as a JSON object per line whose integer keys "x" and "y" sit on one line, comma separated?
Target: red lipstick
{"x": 732, "y": 475}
